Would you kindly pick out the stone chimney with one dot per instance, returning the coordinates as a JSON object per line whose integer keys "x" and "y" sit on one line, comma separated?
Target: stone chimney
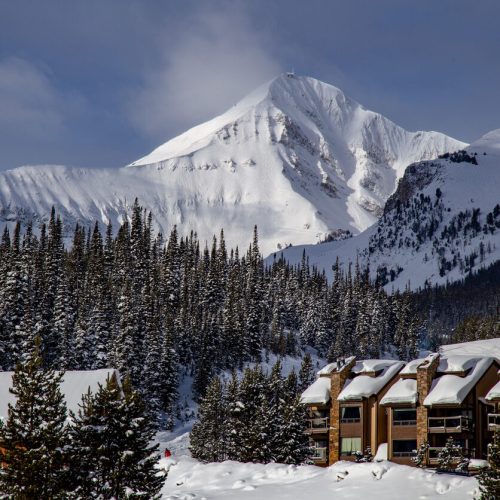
{"x": 425, "y": 373}
{"x": 338, "y": 378}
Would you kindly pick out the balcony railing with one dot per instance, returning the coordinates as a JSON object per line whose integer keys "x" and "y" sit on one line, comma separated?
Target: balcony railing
{"x": 434, "y": 455}
{"x": 449, "y": 424}
{"x": 356, "y": 420}
{"x": 404, "y": 422}
{"x": 403, "y": 454}
{"x": 319, "y": 454}
{"x": 493, "y": 421}
{"x": 317, "y": 425}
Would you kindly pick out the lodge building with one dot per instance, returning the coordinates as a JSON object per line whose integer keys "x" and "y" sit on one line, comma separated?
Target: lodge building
{"x": 392, "y": 407}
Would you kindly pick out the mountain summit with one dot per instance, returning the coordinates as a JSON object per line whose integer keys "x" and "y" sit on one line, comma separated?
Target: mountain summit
{"x": 297, "y": 157}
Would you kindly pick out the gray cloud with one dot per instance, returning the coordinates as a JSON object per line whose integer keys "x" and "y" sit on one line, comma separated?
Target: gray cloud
{"x": 28, "y": 99}
{"x": 207, "y": 68}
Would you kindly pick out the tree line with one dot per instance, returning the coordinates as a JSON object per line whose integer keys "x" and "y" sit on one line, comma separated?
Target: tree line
{"x": 103, "y": 451}
{"x": 158, "y": 308}
{"x": 257, "y": 418}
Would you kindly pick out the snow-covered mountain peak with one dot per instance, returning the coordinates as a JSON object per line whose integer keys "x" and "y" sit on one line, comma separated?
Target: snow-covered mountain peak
{"x": 489, "y": 143}
{"x": 297, "y": 157}
{"x": 442, "y": 222}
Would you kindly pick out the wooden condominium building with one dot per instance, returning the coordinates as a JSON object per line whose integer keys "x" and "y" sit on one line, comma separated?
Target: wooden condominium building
{"x": 393, "y": 407}
{"x": 344, "y": 409}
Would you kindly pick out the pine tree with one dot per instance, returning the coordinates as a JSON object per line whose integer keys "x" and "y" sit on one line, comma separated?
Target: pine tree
{"x": 450, "y": 453}
{"x": 306, "y": 373}
{"x": 489, "y": 478}
{"x": 34, "y": 436}
{"x": 111, "y": 451}
{"x": 208, "y": 435}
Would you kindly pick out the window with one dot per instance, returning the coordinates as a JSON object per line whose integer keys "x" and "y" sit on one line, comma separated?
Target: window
{"x": 404, "y": 416}
{"x": 350, "y": 414}
{"x": 319, "y": 448}
{"x": 404, "y": 447}
{"x": 349, "y": 445}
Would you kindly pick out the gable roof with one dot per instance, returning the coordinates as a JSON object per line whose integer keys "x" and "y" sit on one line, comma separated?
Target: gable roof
{"x": 364, "y": 386}
{"x": 404, "y": 391}
{"x": 451, "y": 388}
{"x": 318, "y": 392}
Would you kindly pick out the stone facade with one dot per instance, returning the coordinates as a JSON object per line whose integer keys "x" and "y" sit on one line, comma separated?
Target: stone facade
{"x": 425, "y": 373}
{"x": 338, "y": 378}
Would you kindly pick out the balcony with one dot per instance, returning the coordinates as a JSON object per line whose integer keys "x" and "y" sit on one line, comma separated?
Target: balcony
{"x": 494, "y": 421}
{"x": 315, "y": 425}
{"x": 350, "y": 420}
{"x": 404, "y": 422}
{"x": 445, "y": 425}
{"x": 319, "y": 454}
{"x": 434, "y": 455}
{"x": 403, "y": 454}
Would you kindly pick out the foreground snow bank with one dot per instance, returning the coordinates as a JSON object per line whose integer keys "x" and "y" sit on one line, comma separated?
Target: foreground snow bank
{"x": 189, "y": 479}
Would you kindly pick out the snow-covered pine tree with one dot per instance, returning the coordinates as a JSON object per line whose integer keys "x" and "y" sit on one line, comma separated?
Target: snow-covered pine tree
{"x": 110, "y": 446}
{"x": 207, "y": 438}
{"x": 233, "y": 423}
{"x": 293, "y": 443}
{"x": 306, "y": 373}
{"x": 489, "y": 478}
{"x": 449, "y": 454}
{"x": 34, "y": 436}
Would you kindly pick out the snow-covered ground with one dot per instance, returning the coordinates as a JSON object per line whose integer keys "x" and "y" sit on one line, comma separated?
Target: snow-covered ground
{"x": 189, "y": 479}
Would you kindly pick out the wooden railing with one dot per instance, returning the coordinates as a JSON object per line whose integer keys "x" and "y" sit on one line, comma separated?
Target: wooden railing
{"x": 317, "y": 425}
{"x": 457, "y": 423}
{"x": 434, "y": 455}
{"x": 319, "y": 454}
{"x": 403, "y": 454}
{"x": 404, "y": 422}
{"x": 356, "y": 420}
{"x": 493, "y": 421}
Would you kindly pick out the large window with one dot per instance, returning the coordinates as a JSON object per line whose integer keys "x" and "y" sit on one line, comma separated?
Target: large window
{"x": 350, "y": 445}
{"x": 404, "y": 416}
{"x": 350, "y": 414}
{"x": 404, "y": 447}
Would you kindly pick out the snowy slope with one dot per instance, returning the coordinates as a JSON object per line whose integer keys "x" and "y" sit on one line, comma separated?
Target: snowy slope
{"x": 436, "y": 226}
{"x": 190, "y": 479}
{"x": 296, "y": 156}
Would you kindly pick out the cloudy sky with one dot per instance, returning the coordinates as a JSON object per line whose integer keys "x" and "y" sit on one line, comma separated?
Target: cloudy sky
{"x": 102, "y": 82}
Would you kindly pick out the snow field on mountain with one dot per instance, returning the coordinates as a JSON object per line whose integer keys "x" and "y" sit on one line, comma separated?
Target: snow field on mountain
{"x": 296, "y": 157}
{"x": 189, "y": 479}
{"x": 464, "y": 187}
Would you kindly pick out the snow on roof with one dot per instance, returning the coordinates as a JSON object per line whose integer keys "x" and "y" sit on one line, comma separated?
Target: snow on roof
{"x": 453, "y": 389}
{"x": 404, "y": 391}
{"x": 490, "y": 347}
{"x": 364, "y": 386}
{"x": 411, "y": 366}
{"x": 456, "y": 363}
{"x": 73, "y": 386}
{"x": 318, "y": 392}
{"x": 332, "y": 367}
{"x": 494, "y": 392}
{"x": 369, "y": 365}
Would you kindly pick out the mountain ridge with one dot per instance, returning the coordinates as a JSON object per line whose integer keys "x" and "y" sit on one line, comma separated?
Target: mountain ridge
{"x": 296, "y": 157}
{"x": 441, "y": 224}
